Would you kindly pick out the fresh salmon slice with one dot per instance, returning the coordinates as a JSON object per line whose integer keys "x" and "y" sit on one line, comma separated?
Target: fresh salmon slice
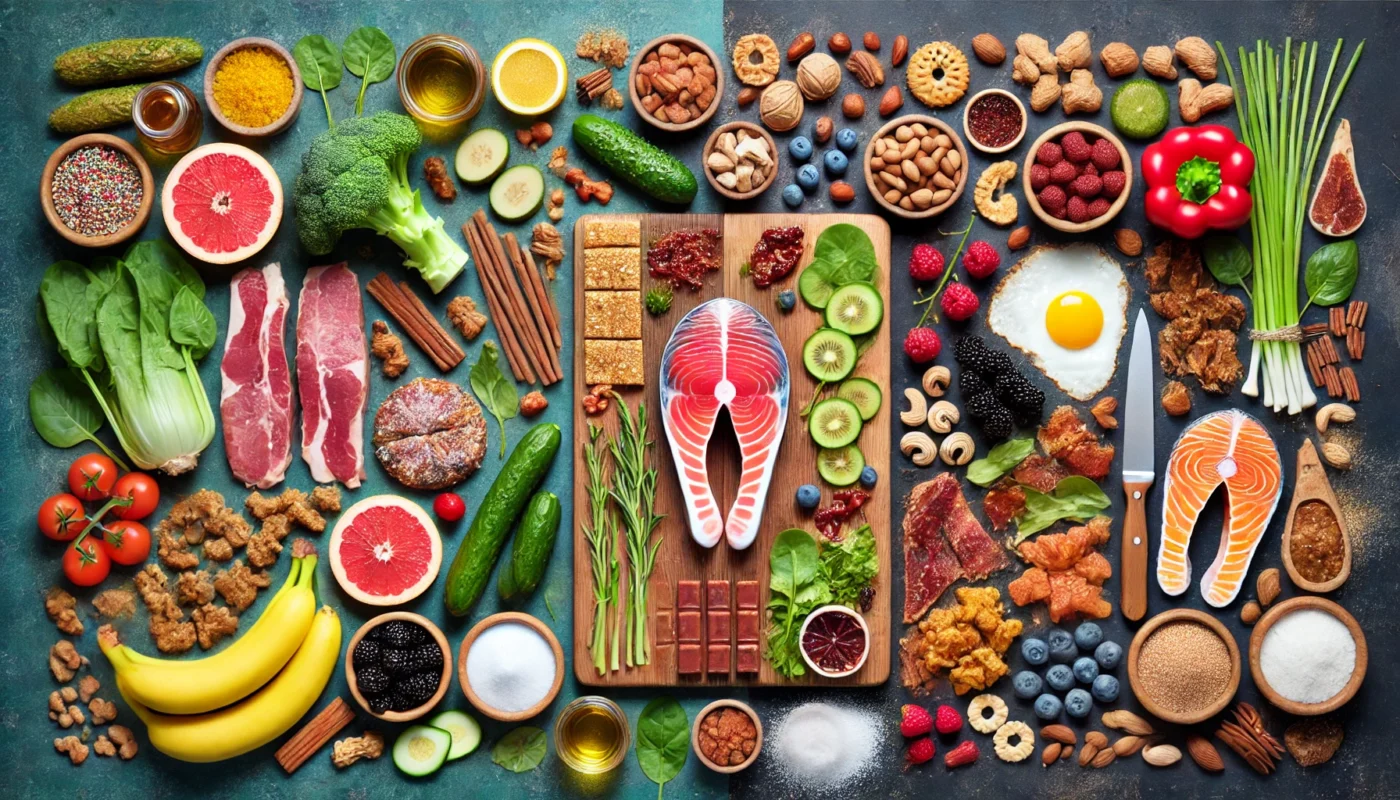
{"x": 724, "y": 354}
{"x": 1232, "y": 448}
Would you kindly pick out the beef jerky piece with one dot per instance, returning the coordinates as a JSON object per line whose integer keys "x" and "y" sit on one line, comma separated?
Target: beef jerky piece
{"x": 929, "y": 564}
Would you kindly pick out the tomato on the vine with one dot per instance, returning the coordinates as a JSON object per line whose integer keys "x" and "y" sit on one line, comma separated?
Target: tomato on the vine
{"x": 87, "y": 562}
{"x": 143, "y": 492}
{"x": 127, "y": 542}
{"x": 92, "y": 476}
{"x": 62, "y": 517}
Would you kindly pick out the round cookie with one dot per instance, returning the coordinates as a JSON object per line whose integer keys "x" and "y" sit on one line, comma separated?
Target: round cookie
{"x": 927, "y": 64}
{"x": 765, "y": 71}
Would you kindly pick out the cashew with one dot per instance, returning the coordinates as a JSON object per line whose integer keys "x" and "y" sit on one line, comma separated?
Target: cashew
{"x": 957, "y": 449}
{"x": 1334, "y": 412}
{"x": 1336, "y": 456}
{"x": 918, "y": 408}
{"x": 936, "y": 380}
{"x": 918, "y": 446}
{"x": 943, "y": 416}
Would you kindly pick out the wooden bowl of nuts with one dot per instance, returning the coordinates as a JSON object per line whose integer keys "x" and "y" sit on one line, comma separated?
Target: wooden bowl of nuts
{"x": 739, "y": 155}
{"x": 700, "y": 740}
{"x": 674, "y": 82}
{"x": 916, "y": 166}
{"x": 1073, "y": 208}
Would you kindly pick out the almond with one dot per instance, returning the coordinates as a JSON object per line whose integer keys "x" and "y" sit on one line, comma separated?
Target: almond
{"x": 1067, "y": 753}
{"x": 839, "y": 43}
{"x": 899, "y": 50}
{"x": 1019, "y": 238}
{"x": 1103, "y": 758}
{"x": 891, "y": 102}
{"x": 871, "y": 40}
{"x": 988, "y": 49}
{"x": 1161, "y": 755}
{"x": 1087, "y": 753}
{"x": 1058, "y": 733}
{"x": 822, "y": 131}
{"x": 1267, "y": 587}
{"x": 747, "y": 95}
{"x": 1250, "y": 613}
{"x": 1051, "y": 753}
{"x": 1128, "y": 241}
{"x": 1128, "y": 745}
{"x": 801, "y": 46}
{"x": 842, "y": 192}
{"x": 1096, "y": 738}
{"x": 1127, "y": 722}
{"x": 853, "y": 106}
{"x": 1204, "y": 754}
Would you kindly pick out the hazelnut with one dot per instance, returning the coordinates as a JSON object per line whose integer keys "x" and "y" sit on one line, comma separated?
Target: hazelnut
{"x": 821, "y": 133}
{"x": 853, "y": 106}
{"x": 839, "y": 43}
{"x": 871, "y": 40}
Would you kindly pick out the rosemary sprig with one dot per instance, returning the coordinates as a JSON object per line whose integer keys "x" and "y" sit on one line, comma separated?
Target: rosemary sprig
{"x": 634, "y": 494}
{"x": 601, "y": 533}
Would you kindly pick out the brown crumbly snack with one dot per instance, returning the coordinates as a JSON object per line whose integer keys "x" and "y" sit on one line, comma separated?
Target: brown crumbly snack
{"x": 276, "y": 526}
{"x": 57, "y": 704}
{"x": 103, "y": 711}
{"x": 194, "y": 588}
{"x": 607, "y": 47}
{"x": 113, "y": 603}
{"x": 347, "y": 751}
{"x": 1313, "y": 741}
{"x": 64, "y": 661}
{"x": 612, "y": 315}
{"x": 547, "y": 243}
{"x": 436, "y": 174}
{"x": 173, "y": 550}
{"x": 261, "y": 507}
{"x": 104, "y": 747}
{"x": 239, "y": 585}
{"x": 613, "y": 361}
{"x": 153, "y": 586}
{"x": 212, "y": 623}
{"x": 87, "y": 687}
{"x": 1199, "y": 338}
{"x": 263, "y": 549}
{"x": 168, "y": 627}
{"x": 326, "y": 499}
{"x": 388, "y": 348}
{"x": 216, "y": 550}
{"x": 172, "y": 634}
{"x": 205, "y": 514}
{"x": 533, "y": 403}
{"x": 125, "y": 741}
{"x": 465, "y": 317}
{"x": 1176, "y": 399}
{"x": 62, "y": 609}
{"x": 612, "y": 233}
{"x": 68, "y": 716}
{"x": 295, "y": 505}
{"x": 612, "y": 268}
{"x": 72, "y": 747}
{"x": 306, "y": 516}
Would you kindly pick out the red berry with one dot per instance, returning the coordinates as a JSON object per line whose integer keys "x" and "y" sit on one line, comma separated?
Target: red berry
{"x": 981, "y": 260}
{"x": 1113, "y": 183}
{"x": 1105, "y": 155}
{"x": 1049, "y": 154}
{"x": 1051, "y": 198}
{"x": 1087, "y": 186}
{"x": 1063, "y": 172}
{"x": 963, "y": 754}
{"x": 1088, "y": 168}
{"x": 1076, "y": 147}
{"x": 919, "y": 752}
{"x": 449, "y": 507}
{"x": 922, "y": 345}
{"x": 1098, "y": 208}
{"x": 925, "y": 263}
{"x": 1057, "y": 213}
{"x": 1078, "y": 209}
{"x": 958, "y": 302}
{"x": 948, "y": 720}
{"x": 914, "y": 721}
{"x": 1040, "y": 176}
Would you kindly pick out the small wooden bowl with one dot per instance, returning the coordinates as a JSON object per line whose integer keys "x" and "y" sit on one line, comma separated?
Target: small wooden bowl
{"x": 728, "y": 769}
{"x": 713, "y": 142}
{"x": 1184, "y": 615}
{"x": 878, "y": 194}
{"x": 676, "y": 38}
{"x": 435, "y": 631}
{"x": 1256, "y": 645}
{"x": 1063, "y": 224}
{"x": 276, "y": 126}
{"x": 143, "y": 212}
{"x": 1310, "y": 485}
{"x": 540, "y": 628}
{"x": 967, "y": 131}
{"x": 834, "y": 609}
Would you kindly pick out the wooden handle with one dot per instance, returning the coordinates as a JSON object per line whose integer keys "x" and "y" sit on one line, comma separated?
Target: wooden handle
{"x": 1134, "y": 566}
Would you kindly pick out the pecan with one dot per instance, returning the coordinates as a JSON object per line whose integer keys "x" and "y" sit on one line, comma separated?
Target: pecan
{"x": 866, "y": 68}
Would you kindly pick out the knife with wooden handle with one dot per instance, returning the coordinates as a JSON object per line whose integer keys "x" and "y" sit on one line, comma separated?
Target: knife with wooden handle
{"x": 1138, "y": 468}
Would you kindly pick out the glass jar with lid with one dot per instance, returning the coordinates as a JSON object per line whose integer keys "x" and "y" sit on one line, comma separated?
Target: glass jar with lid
{"x": 167, "y": 117}
{"x": 441, "y": 80}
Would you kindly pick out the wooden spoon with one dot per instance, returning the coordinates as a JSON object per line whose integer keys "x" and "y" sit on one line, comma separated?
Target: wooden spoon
{"x": 1311, "y": 485}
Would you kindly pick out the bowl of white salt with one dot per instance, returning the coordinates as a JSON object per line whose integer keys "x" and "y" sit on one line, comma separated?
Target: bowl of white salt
{"x": 510, "y": 666}
{"x": 1308, "y": 656}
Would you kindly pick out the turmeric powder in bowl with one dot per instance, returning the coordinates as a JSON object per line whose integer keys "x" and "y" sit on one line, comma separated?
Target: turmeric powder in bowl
{"x": 253, "y": 87}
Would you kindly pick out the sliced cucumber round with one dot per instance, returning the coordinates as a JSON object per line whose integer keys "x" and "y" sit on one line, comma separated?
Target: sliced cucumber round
{"x": 840, "y": 466}
{"x": 518, "y": 193}
{"x": 834, "y": 423}
{"x": 815, "y": 289}
{"x": 865, "y": 393}
{"x": 466, "y": 732}
{"x": 421, "y": 749}
{"x": 482, "y": 155}
{"x": 829, "y": 355}
{"x": 855, "y": 308}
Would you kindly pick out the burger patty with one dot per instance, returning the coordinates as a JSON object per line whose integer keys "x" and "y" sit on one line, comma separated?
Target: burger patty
{"x": 429, "y": 434}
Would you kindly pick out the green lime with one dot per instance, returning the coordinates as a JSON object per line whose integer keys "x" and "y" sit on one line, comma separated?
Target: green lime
{"x": 1140, "y": 108}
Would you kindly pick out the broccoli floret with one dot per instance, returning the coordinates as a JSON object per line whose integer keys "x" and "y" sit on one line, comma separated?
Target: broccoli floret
{"x": 356, "y": 176}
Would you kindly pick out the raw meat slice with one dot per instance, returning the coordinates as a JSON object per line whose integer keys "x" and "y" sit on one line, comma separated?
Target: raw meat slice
{"x": 1232, "y": 448}
{"x": 255, "y": 404}
{"x": 429, "y": 434}
{"x": 332, "y": 375}
{"x": 724, "y": 353}
{"x": 943, "y": 542}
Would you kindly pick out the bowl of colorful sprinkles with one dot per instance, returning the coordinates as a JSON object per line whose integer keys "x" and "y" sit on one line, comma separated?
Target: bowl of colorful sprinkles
{"x": 1184, "y": 666}
{"x": 1308, "y": 656}
{"x": 96, "y": 190}
{"x": 253, "y": 87}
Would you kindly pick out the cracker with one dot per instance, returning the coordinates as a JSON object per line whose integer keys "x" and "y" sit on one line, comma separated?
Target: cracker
{"x": 612, "y": 315}
{"x": 613, "y": 361}
{"x": 612, "y": 268}
{"x": 612, "y": 233}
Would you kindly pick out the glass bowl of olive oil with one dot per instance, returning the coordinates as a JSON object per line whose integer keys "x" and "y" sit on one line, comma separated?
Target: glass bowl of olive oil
{"x": 591, "y": 735}
{"x": 441, "y": 80}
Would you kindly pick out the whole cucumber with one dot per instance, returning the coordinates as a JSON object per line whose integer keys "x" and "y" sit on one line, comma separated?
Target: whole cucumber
{"x": 126, "y": 59}
{"x": 530, "y": 549}
{"x": 635, "y": 160}
{"x": 95, "y": 110}
{"x": 477, "y": 554}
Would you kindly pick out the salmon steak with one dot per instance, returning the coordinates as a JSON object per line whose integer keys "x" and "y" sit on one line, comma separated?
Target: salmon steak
{"x": 724, "y": 354}
{"x": 1230, "y": 448}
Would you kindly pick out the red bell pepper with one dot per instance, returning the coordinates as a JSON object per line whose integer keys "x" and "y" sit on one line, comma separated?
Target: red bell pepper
{"x": 1198, "y": 180}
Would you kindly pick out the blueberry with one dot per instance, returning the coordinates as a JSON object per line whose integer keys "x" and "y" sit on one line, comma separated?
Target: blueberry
{"x": 1027, "y": 684}
{"x": 1060, "y": 677}
{"x": 800, "y": 148}
{"x": 1108, "y": 655}
{"x": 1086, "y": 669}
{"x": 808, "y": 177}
{"x": 1047, "y": 707}
{"x": 1088, "y": 635}
{"x": 792, "y": 195}
{"x": 868, "y": 476}
{"x": 787, "y": 300}
{"x": 808, "y": 496}
{"x": 1035, "y": 651}
{"x": 1105, "y": 689}
{"x": 1061, "y": 645}
{"x": 836, "y": 162}
{"x": 1078, "y": 703}
{"x": 846, "y": 139}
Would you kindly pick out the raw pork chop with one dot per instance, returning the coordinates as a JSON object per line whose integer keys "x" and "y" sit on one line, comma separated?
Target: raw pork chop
{"x": 724, "y": 353}
{"x": 256, "y": 401}
{"x": 332, "y": 375}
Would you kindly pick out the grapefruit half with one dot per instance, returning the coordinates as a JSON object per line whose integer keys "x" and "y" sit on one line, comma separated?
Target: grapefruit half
{"x": 222, "y": 202}
{"x": 385, "y": 550}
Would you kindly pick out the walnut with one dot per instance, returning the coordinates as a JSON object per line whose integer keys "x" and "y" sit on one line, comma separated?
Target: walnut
{"x": 1074, "y": 52}
{"x": 547, "y": 243}
{"x": 103, "y": 711}
{"x": 64, "y": 661}
{"x": 1198, "y": 56}
{"x": 388, "y": 348}
{"x": 1157, "y": 61}
{"x": 1176, "y": 399}
{"x": 462, "y": 313}
{"x": 1047, "y": 90}
{"x": 1038, "y": 51}
{"x": 1118, "y": 59}
{"x": 1080, "y": 94}
{"x": 532, "y": 404}
{"x": 1195, "y": 100}
{"x": 125, "y": 741}
{"x": 347, "y": 751}
{"x": 818, "y": 76}
{"x": 62, "y": 609}
{"x": 780, "y": 106}
{"x": 597, "y": 399}
{"x": 611, "y": 100}
{"x": 87, "y": 687}
{"x": 73, "y": 747}
{"x": 1103, "y": 413}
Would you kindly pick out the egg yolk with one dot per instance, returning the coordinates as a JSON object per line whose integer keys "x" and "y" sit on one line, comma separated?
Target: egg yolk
{"x": 1074, "y": 320}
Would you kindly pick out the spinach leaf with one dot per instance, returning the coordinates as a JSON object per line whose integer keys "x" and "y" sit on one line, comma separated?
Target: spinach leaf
{"x": 160, "y": 255}
{"x": 793, "y": 561}
{"x": 65, "y": 412}
{"x": 191, "y": 323}
{"x": 842, "y": 254}
{"x": 1000, "y": 460}
{"x": 1331, "y": 273}
{"x": 71, "y": 315}
{"x": 320, "y": 65}
{"x": 1076, "y": 498}
{"x": 494, "y": 390}
{"x": 369, "y": 53}
{"x": 850, "y": 565}
{"x": 796, "y": 588}
{"x": 1228, "y": 260}
{"x": 521, "y": 749}
{"x": 663, "y": 740}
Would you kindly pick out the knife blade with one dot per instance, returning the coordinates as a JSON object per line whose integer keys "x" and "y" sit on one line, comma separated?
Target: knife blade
{"x": 1139, "y": 468}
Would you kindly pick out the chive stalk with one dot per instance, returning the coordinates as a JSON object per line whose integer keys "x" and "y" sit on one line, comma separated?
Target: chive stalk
{"x": 634, "y": 495}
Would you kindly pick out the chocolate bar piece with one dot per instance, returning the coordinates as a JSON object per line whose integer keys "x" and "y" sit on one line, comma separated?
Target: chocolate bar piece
{"x": 688, "y": 626}
{"x": 687, "y": 594}
{"x": 748, "y": 658}
{"x": 719, "y": 658}
{"x": 748, "y": 625}
{"x": 665, "y": 627}
{"x": 718, "y": 594}
{"x": 746, "y": 593}
{"x": 690, "y": 659}
{"x": 718, "y": 625}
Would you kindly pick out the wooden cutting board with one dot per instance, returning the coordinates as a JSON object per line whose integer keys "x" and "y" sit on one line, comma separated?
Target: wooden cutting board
{"x": 680, "y": 557}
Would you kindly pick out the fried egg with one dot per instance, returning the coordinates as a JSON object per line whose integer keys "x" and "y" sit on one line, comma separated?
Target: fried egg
{"x": 1066, "y": 309}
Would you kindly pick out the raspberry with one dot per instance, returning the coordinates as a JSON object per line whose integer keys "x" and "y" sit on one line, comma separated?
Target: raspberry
{"x": 1078, "y": 209}
{"x": 1098, "y": 208}
{"x": 963, "y": 754}
{"x": 1087, "y": 186}
{"x": 1076, "y": 147}
{"x": 919, "y": 752}
{"x": 981, "y": 260}
{"x": 958, "y": 302}
{"x": 1058, "y": 213}
{"x": 1040, "y": 177}
{"x": 1105, "y": 155}
{"x": 1063, "y": 172}
{"x": 1113, "y": 183}
{"x": 914, "y": 721}
{"x": 1088, "y": 168}
{"x": 1051, "y": 198}
{"x": 1049, "y": 154}
{"x": 922, "y": 345}
{"x": 948, "y": 720}
{"x": 925, "y": 263}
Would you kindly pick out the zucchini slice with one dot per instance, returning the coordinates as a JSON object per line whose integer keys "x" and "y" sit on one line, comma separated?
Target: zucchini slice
{"x": 518, "y": 193}
{"x": 482, "y": 155}
{"x": 466, "y": 733}
{"x": 421, "y": 749}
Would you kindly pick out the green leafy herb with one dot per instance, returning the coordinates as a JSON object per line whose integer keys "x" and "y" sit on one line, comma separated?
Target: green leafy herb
{"x": 64, "y": 411}
{"x": 192, "y": 324}
{"x": 601, "y": 533}
{"x": 320, "y": 65}
{"x": 634, "y": 495}
{"x": 658, "y": 300}
{"x": 1331, "y": 273}
{"x": 494, "y": 390}
{"x": 521, "y": 749}
{"x": 1000, "y": 460}
{"x": 849, "y": 566}
{"x": 796, "y": 588}
{"x": 663, "y": 740}
{"x": 1075, "y": 498}
{"x": 1228, "y": 260}
{"x": 842, "y": 254}
{"x": 370, "y": 54}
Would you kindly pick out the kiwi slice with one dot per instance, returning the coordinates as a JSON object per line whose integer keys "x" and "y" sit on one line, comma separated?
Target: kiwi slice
{"x": 865, "y": 393}
{"x": 855, "y": 308}
{"x": 840, "y": 466}
{"x": 834, "y": 422}
{"x": 829, "y": 354}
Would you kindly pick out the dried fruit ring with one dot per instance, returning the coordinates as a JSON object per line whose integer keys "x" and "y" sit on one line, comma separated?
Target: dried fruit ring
{"x": 996, "y": 206}
{"x": 761, "y": 73}
{"x": 938, "y": 74}
{"x": 1025, "y": 742}
{"x": 981, "y": 703}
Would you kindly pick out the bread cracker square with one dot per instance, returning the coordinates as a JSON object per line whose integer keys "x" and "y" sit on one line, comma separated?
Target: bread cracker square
{"x": 612, "y": 315}
{"x": 612, "y": 233}
{"x": 612, "y": 268}
{"x": 613, "y": 361}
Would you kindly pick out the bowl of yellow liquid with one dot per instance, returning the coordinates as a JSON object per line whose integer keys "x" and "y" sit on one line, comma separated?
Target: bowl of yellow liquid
{"x": 441, "y": 80}
{"x": 591, "y": 735}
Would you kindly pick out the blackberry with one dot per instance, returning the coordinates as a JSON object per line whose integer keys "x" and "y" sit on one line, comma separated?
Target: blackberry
{"x": 998, "y": 424}
{"x": 427, "y": 658}
{"x": 366, "y": 654}
{"x": 371, "y": 680}
{"x": 994, "y": 364}
{"x": 396, "y": 662}
{"x": 973, "y": 355}
{"x": 970, "y": 384}
{"x": 401, "y": 633}
{"x": 1018, "y": 395}
{"x": 968, "y": 348}
{"x": 415, "y": 690}
{"x": 379, "y": 703}
{"x": 981, "y": 406}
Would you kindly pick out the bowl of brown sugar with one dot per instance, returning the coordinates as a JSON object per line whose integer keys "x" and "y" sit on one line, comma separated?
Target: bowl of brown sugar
{"x": 1184, "y": 666}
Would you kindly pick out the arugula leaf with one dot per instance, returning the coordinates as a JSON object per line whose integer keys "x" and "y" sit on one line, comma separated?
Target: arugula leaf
{"x": 1000, "y": 460}
{"x": 496, "y": 393}
{"x": 663, "y": 740}
{"x": 521, "y": 749}
{"x": 1331, "y": 273}
{"x": 370, "y": 54}
{"x": 1076, "y": 498}
{"x": 1228, "y": 260}
{"x": 320, "y": 65}
{"x": 849, "y": 566}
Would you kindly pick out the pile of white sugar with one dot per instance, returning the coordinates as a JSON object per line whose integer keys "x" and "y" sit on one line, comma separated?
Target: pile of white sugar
{"x": 1308, "y": 656}
{"x": 820, "y": 745}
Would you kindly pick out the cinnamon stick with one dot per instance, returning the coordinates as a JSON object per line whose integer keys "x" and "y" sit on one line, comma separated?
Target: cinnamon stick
{"x": 1336, "y": 320}
{"x": 314, "y": 735}
{"x": 1350, "y": 387}
{"x": 1314, "y": 368}
{"x": 420, "y": 325}
{"x": 438, "y": 332}
{"x": 546, "y": 300}
{"x": 532, "y": 300}
{"x": 481, "y": 260}
{"x": 514, "y": 301}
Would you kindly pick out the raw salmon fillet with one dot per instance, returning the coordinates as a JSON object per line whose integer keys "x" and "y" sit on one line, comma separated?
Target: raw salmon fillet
{"x": 1232, "y": 448}
{"x": 724, "y": 353}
